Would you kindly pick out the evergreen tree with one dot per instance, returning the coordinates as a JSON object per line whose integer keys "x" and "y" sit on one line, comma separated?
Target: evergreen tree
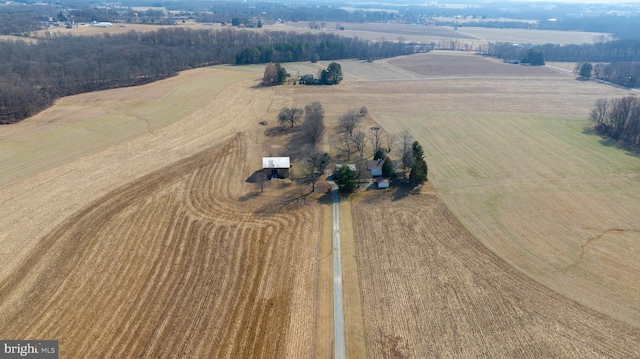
{"x": 345, "y": 178}
{"x": 419, "y": 168}
{"x": 379, "y": 155}
{"x": 282, "y": 73}
{"x": 533, "y": 57}
{"x": 586, "y": 70}
{"x": 387, "y": 168}
{"x": 334, "y": 73}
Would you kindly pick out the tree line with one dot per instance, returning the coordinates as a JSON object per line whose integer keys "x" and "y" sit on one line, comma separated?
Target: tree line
{"x": 607, "y": 51}
{"x": 291, "y": 48}
{"x": 618, "y": 118}
{"x": 34, "y": 75}
{"x": 618, "y": 62}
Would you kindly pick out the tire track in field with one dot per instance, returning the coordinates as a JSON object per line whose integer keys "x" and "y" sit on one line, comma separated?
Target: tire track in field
{"x": 173, "y": 266}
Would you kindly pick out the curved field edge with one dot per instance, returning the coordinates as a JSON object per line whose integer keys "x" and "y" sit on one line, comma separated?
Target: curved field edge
{"x": 429, "y": 289}
{"x": 174, "y": 265}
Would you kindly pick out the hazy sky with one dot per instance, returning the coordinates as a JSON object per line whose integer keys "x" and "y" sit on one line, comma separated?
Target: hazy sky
{"x": 583, "y": 1}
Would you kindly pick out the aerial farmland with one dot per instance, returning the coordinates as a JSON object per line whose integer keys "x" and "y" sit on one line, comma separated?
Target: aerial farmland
{"x": 131, "y": 227}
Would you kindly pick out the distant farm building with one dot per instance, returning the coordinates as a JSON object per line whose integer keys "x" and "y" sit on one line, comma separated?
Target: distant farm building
{"x": 276, "y": 167}
{"x": 101, "y": 24}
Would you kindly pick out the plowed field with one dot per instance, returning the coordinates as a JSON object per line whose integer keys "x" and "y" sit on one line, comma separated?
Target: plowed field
{"x": 430, "y": 290}
{"x": 170, "y": 266}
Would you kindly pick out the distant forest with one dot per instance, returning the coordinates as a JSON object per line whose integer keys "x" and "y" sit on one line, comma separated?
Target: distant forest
{"x": 34, "y": 75}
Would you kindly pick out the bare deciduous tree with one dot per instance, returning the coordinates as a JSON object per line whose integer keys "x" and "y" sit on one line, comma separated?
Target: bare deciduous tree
{"x": 290, "y": 116}
{"x": 348, "y": 122}
{"x": 406, "y": 154}
{"x": 313, "y": 126}
{"x": 376, "y": 137}
{"x": 344, "y": 144}
{"x": 390, "y": 140}
{"x": 262, "y": 179}
{"x": 360, "y": 142}
{"x": 316, "y": 165}
{"x": 270, "y": 75}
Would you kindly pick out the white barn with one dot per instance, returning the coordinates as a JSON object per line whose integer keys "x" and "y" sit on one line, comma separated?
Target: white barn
{"x": 276, "y": 167}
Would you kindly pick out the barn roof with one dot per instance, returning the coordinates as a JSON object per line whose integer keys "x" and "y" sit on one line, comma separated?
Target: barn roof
{"x": 276, "y": 162}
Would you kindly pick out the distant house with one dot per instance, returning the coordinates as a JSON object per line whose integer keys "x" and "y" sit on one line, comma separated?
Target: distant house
{"x": 375, "y": 167}
{"x": 276, "y": 167}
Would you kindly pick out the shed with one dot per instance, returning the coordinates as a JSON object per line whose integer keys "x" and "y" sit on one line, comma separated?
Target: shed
{"x": 276, "y": 167}
{"x": 382, "y": 182}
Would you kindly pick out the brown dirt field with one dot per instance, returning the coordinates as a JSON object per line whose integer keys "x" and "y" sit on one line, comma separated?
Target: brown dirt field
{"x": 429, "y": 289}
{"x": 182, "y": 262}
{"x": 324, "y": 330}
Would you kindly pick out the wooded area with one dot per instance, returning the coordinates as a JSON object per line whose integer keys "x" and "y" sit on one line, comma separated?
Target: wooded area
{"x": 34, "y": 75}
{"x": 609, "y": 51}
{"x": 618, "y": 118}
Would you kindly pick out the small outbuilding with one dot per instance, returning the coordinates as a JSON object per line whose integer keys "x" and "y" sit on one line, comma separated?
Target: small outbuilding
{"x": 382, "y": 182}
{"x": 276, "y": 167}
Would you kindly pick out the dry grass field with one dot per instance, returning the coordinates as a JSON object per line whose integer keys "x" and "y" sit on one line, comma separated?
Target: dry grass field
{"x": 129, "y": 228}
{"x": 532, "y": 36}
{"x": 456, "y": 299}
{"x": 511, "y": 157}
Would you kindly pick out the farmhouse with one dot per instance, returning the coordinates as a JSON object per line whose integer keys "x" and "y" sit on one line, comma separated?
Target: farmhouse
{"x": 375, "y": 167}
{"x": 276, "y": 167}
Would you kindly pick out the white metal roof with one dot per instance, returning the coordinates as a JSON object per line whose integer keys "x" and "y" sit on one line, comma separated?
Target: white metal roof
{"x": 276, "y": 162}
